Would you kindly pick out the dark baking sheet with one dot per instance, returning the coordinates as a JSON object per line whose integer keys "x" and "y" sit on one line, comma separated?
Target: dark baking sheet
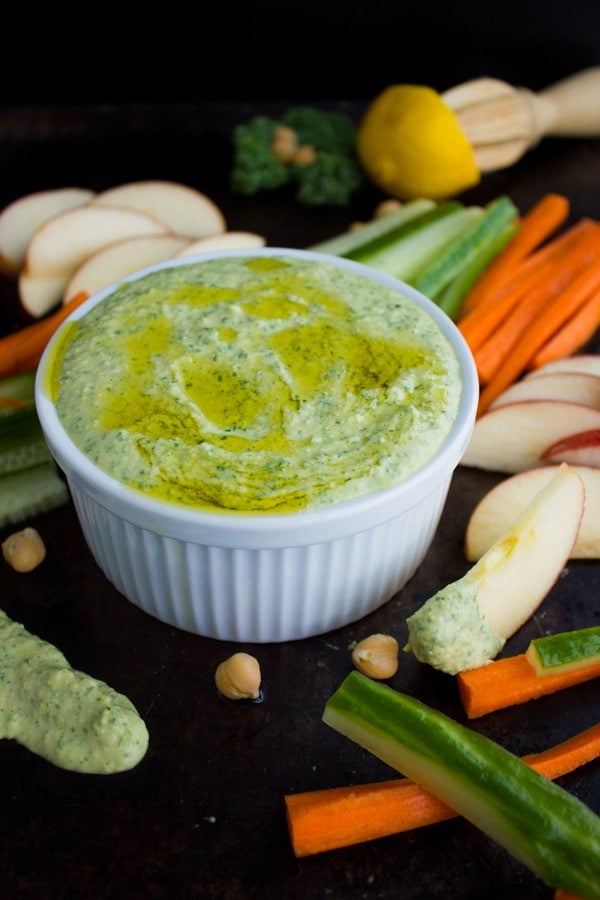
{"x": 203, "y": 814}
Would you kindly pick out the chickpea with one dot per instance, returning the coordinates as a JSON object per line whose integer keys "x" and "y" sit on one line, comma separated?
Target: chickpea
{"x": 284, "y": 143}
{"x": 304, "y": 155}
{"x": 376, "y": 656}
{"x": 386, "y": 207}
{"x": 238, "y": 677}
{"x": 24, "y": 550}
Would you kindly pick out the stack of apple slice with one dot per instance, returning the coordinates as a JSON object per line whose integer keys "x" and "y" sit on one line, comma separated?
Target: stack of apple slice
{"x": 551, "y": 415}
{"x": 62, "y": 241}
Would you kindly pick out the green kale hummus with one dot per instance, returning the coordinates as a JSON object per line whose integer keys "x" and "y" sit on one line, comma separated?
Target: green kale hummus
{"x": 259, "y": 384}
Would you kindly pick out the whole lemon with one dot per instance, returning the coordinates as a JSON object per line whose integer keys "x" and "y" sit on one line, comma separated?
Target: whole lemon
{"x": 410, "y": 145}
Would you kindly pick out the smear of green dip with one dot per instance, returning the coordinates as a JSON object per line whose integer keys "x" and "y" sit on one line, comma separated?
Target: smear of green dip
{"x": 450, "y": 632}
{"x": 60, "y": 713}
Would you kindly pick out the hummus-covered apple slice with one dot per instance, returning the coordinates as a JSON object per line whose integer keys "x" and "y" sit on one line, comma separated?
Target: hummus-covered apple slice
{"x": 467, "y": 623}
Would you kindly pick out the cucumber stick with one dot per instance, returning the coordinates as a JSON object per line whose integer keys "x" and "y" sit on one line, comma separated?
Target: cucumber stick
{"x": 29, "y": 480}
{"x": 452, "y": 296}
{"x": 344, "y": 244}
{"x": 29, "y": 449}
{"x": 413, "y": 248}
{"x": 17, "y": 405}
{"x": 542, "y": 825}
{"x": 564, "y": 652}
{"x": 31, "y": 491}
{"x": 460, "y": 253}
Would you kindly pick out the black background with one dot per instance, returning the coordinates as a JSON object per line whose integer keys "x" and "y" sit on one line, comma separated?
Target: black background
{"x": 106, "y": 94}
{"x": 133, "y": 52}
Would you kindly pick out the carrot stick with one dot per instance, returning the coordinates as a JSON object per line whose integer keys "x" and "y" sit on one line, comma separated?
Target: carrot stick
{"x": 549, "y": 321}
{"x": 477, "y": 325}
{"x": 490, "y": 355}
{"x": 510, "y": 681}
{"x": 21, "y": 350}
{"x": 12, "y": 402}
{"x": 535, "y": 226}
{"x": 339, "y": 817}
{"x": 579, "y": 329}
{"x": 561, "y": 894}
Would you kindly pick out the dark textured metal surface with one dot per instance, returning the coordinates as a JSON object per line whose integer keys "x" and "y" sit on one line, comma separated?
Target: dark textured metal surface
{"x": 203, "y": 814}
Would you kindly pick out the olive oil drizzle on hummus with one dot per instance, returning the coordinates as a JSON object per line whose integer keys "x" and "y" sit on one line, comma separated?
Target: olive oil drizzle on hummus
{"x": 266, "y": 384}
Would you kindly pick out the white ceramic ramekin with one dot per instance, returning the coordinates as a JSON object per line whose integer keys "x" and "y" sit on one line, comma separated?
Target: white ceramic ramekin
{"x": 262, "y": 578}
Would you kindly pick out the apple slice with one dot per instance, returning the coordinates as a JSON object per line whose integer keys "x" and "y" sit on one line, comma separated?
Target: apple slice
{"x": 514, "y": 437}
{"x": 580, "y": 362}
{"x": 116, "y": 261}
{"x": 468, "y": 622}
{"x": 185, "y": 210}
{"x": 578, "y": 387}
{"x": 234, "y": 240}
{"x": 21, "y": 218}
{"x": 39, "y": 295}
{"x": 504, "y": 502}
{"x": 581, "y": 449}
{"x": 61, "y": 244}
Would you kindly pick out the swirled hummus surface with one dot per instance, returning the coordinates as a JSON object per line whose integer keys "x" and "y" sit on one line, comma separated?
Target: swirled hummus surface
{"x": 257, "y": 383}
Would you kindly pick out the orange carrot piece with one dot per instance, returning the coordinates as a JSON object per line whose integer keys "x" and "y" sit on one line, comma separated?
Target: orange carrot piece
{"x": 482, "y": 321}
{"x": 549, "y": 321}
{"x": 535, "y": 226}
{"x": 561, "y": 894}
{"x": 510, "y": 681}
{"x": 339, "y": 817}
{"x": 21, "y": 350}
{"x": 490, "y": 356}
{"x": 576, "y": 332}
{"x": 568, "y": 756}
{"x": 12, "y": 402}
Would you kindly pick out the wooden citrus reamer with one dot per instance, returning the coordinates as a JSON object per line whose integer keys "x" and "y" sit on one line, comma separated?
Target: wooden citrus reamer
{"x": 502, "y": 122}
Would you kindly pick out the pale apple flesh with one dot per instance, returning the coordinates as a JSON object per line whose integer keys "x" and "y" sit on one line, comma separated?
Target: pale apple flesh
{"x": 515, "y": 436}
{"x": 61, "y": 244}
{"x": 227, "y": 240}
{"x": 501, "y": 505}
{"x": 40, "y": 295}
{"x": 576, "y": 387}
{"x": 118, "y": 260}
{"x": 186, "y": 211}
{"x": 66, "y": 240}
{"x": 21, "y": 218}
{"x": 580, "y": 362}
{"x": 484, "y": 608}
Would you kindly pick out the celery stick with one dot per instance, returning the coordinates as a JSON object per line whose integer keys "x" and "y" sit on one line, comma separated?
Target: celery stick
{"x": 18, "y": 387}
{"x": 541, "y": 824}
{"x": 451, "y": 298}
{"x": 564, "y": 652}
{"x": 448, "y": 264}
{"x": 409, "y": 251}
{"x": 346, "y": 243}
{"x": 17, "y": 411}
{"x": 28, "y": 450}
{"x": 30, "y": 492}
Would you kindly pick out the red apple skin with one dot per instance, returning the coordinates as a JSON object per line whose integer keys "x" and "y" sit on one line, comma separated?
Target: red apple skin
{"x": 515, "y": 436}
{"x": 581, "y": 449}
